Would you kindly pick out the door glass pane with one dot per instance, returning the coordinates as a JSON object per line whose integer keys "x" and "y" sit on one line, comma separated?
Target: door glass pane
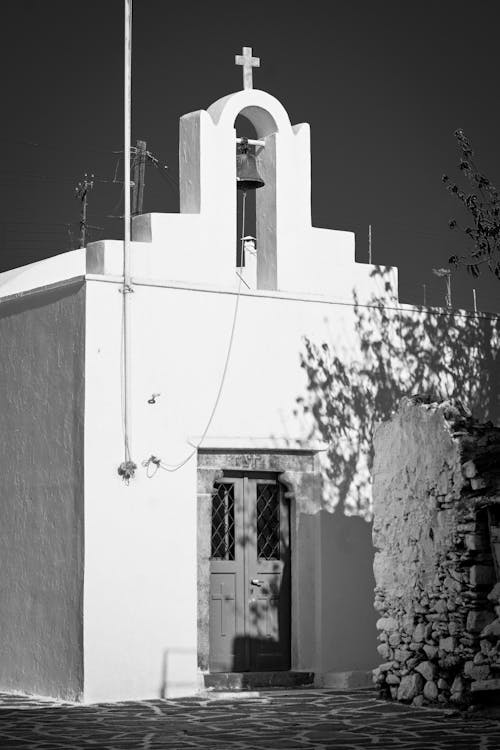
{"x": 268, "y": 522}
{"x": 223, "y": 522}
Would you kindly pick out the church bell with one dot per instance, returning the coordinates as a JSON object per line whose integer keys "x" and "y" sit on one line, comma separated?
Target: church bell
{"x": 247, "y": 175}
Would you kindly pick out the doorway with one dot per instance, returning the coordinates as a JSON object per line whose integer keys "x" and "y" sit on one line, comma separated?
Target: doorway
{"x": 250, "y": 578}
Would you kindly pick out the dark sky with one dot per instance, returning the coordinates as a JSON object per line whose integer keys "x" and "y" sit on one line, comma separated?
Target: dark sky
{"x": 383, "y": 85}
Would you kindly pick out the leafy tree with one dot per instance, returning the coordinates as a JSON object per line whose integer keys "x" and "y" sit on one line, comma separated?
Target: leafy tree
{"x": 397, "y": 351}
{"x": 482, "y": 206}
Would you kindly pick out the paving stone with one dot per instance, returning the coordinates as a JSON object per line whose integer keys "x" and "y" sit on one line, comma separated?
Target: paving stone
{"x": 301, "y": 718}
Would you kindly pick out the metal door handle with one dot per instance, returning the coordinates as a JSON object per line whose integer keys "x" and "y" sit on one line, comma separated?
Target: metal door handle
{"x": 256, "y": 582}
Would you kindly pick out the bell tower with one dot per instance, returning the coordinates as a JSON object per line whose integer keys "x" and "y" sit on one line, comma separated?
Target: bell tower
{"x": 199, "y": 245}
{"x": 277, "y": 163}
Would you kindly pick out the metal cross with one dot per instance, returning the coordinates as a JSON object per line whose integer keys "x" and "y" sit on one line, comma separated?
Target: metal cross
{"x": 248, "y": 63}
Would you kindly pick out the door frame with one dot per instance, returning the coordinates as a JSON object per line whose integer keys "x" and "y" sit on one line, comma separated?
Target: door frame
{"x": 298, "y": 470}
{"x": 246, "y": 565}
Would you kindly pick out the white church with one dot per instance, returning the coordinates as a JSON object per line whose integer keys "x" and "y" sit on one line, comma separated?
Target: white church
{"x": 218, "y": 558}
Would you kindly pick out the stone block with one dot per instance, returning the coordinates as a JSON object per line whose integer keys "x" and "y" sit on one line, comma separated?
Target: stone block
{"x": 394, "y": 639}
{"x": 402, "y": 655}
{"x": 408, "y": 622}
{"x": 384, "y": 650}
{"x": 476, "y": 672}
{"x": 477, "y": 620}
{"x": 449, "y": 661}
{"x": 469, "y": 469}
{"x": 494, "y": 594}
{"x": 487, "y": 685}
{"x": 447, "y": 644}
{"x": 467, "y": 527}
{"x": 387, "y": 623}
{"x": 392, "y": 679}
{"x": 474, "y": 542}
{"x": 418, "y": 701}
{"x": 481, "y": 575}
{"x": 430, "y": 690}
{"x": 485, "y": 646}
{"x": 427, "y": 669}
{"x": 479, "y": 672}
{"x": 430, "y": 651}
{"x": 410, "y": 686}
{"x": 478, "y": 483}
{"x": 469, "y": 664}
{"x": 385, "y": 666}
{"x": 415, "y": 646}
{"x": 442, "y": 684}
{"x": 457, "y": 686}
{"x": 491, "y": 631}
{"x": 419, "y": 633}
{"x": 451, "y": 584}
{"x": 378, "y": 677}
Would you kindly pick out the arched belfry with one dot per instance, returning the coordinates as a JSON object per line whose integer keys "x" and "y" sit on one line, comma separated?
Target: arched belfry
{"x": 208, "y": 143}
{"x": 200, "y": 244}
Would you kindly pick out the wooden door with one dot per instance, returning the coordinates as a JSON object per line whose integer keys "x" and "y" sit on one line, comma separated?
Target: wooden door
{"x": 250, "y": 575}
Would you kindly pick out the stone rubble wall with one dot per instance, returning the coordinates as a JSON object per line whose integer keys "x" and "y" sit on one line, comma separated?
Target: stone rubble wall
{"x": 436, "y": 477}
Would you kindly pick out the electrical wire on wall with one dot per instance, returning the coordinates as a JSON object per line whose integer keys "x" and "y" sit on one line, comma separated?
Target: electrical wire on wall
{"x": 157, "y": 462}
{"x": 154, "y": 460}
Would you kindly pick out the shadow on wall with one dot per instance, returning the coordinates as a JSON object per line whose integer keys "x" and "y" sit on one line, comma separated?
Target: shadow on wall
{"x": 349, "y": 636}
{"x": 397, "y": 352}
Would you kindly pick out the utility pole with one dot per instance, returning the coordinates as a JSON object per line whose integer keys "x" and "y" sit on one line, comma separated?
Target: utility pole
{"x": 475, "y": 300}
{"x": 425, "y": 293}
{"x": 127, "y": 468}
{"x": 139, "y": 178}
{"x": 369, "y": 243}
{"x": 82, "y": 193}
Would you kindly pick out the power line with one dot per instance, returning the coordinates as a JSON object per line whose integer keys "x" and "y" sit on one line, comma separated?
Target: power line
{"x": 109, "y": 214}
{"x": 37, "y": 223}
{"x": 167, "y": 178}
{"x": 43, "y": 178}
{"x": 54, "y": 147}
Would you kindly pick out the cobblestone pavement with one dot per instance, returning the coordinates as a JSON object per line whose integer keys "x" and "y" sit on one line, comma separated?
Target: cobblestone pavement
{"x": 306, "y": 718}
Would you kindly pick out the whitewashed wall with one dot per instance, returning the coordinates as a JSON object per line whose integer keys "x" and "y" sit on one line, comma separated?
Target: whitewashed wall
{"x": 140, "y": 551}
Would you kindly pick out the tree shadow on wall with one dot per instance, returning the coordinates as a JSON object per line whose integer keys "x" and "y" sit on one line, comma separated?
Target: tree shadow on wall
{"x": 398, "y": 351}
